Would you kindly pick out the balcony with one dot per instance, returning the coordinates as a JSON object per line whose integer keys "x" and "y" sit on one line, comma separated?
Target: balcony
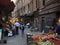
{"x": 49, "y": 2}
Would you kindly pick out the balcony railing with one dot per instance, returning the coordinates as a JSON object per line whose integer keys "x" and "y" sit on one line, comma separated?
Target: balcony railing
{"x": 48, "y": 2}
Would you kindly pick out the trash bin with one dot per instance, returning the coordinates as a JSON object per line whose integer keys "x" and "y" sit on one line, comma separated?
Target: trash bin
{"x": 29, "y": 39}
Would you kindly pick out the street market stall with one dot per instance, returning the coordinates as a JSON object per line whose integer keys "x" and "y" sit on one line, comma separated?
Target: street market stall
{"x": 2, "y": 38}
{"x": 6, "y": 7}
{"x": 45, "y": 39}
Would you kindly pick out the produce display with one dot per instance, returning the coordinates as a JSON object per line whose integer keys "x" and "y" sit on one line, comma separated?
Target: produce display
{"x": 46, "y": 39}
{"x": 46, "y": 43}
{"x": 32, "y": 43}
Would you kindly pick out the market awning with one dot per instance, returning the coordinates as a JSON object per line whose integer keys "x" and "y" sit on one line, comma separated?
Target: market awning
{"x": 10, "y": 7}
{"x": 4, "y": 2}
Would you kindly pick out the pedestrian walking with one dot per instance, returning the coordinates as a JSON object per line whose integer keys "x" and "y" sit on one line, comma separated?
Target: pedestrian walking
{"x": 22, "y": 29}
{"x": 17, "y": 25}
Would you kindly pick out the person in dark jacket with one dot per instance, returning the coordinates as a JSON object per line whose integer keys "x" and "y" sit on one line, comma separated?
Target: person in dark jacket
{"x": 57, "y": 28}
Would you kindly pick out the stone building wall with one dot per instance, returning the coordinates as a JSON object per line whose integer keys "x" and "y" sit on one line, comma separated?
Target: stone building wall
{"x": 48, "y": 13}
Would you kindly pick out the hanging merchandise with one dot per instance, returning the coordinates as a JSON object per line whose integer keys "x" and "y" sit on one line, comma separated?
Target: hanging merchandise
{"x": 3, "y": 19}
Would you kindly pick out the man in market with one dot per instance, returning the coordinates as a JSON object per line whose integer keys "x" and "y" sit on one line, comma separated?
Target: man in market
{"x": 17, "y": 25}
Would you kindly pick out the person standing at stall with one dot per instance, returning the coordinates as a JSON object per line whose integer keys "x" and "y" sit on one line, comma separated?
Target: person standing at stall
{"x": 57, "y": 28}
{"x": 17, "y": 25}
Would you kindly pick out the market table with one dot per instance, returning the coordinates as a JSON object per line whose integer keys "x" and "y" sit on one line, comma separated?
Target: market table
{"x": 45, "y": 39}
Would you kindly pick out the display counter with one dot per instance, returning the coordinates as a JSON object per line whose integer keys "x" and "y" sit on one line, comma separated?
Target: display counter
{"x": 45, "y": 39}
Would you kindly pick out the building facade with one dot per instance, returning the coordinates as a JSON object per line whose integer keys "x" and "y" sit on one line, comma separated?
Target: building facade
{"x": 25, "y": 8}
{"x": 49, "y": 13}
{"x": 40, "y": 13}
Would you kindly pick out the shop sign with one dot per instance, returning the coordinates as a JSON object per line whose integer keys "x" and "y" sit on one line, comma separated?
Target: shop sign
{"x": 0, "y": 34}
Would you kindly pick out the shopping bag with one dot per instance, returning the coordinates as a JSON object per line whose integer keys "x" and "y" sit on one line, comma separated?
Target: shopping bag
{"x": 10, "y": 34}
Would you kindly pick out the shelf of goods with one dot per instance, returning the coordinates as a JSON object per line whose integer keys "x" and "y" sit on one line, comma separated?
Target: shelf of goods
{"x": 45, "y": 39}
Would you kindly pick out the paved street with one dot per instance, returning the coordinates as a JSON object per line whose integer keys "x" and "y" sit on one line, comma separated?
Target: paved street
{"x": 19, "y": 40}
{"x": 16, "y": 40}
{"x": 35, "y": 16}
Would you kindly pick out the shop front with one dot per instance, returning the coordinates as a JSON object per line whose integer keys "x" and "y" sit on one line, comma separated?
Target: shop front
{"x": 49, "y": 16}
{"x": 46, "y": 21}
{"x": 43, "y": 39}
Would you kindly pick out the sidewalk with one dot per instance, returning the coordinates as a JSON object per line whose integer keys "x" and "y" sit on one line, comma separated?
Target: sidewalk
{"x": 19, "y": 40}
{"x": 34, "y": 33}
{"x": 16, "y": 40}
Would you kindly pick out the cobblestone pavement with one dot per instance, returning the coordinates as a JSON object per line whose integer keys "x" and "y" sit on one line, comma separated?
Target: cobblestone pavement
{"x": 19, "y": 40}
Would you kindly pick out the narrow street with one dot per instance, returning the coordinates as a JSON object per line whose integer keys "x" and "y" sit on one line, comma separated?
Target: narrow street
{"x": 36, "y": 17}
{"x": 18, "y": 39}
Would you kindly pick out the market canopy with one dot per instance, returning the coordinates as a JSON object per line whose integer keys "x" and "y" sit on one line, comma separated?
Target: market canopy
{"x": 4, "y": 2}
{"x": 7, "y": 5}
{"x": 10, "y": 7}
